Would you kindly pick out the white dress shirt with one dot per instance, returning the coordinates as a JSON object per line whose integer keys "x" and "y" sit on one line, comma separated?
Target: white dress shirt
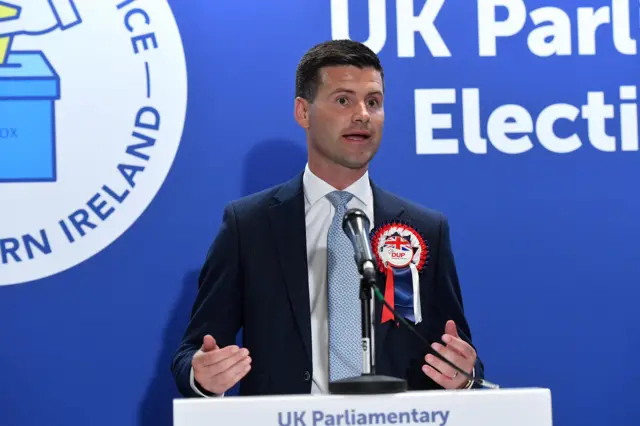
{"x": 319, "y": 214}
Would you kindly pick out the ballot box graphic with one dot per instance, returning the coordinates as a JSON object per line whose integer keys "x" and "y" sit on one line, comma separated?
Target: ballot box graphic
{"x": 29, "y": 89}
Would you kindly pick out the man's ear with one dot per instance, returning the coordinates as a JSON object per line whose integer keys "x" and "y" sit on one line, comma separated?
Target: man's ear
{"x": 301, "y": 112}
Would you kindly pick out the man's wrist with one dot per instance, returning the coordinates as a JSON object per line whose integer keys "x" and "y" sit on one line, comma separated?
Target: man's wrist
{"x": 469, "y": 383}
{"x": 203, "y": 390}
{"x": 197, "y": 387}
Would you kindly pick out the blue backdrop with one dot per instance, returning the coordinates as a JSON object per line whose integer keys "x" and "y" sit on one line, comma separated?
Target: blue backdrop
{"x": 545, "y": 240}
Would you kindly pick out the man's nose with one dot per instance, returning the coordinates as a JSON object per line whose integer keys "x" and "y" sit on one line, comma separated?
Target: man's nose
{"x": 361, "y": 113}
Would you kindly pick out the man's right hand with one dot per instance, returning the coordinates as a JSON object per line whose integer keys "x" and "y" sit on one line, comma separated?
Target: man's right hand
{"x": 218, "y": 370}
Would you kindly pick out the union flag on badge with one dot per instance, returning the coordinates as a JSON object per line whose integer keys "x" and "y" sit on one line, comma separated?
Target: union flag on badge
{"x": 401, "y": 253}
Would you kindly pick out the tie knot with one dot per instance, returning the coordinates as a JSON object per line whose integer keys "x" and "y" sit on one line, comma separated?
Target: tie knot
{"x": 339, "y": 198}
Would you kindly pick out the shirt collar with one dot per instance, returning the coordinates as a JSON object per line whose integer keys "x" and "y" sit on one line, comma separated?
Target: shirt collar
{"x": 316, "y": 189}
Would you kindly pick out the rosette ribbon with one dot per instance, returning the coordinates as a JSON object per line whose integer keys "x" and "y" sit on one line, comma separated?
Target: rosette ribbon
{"x": 402, "y": 292}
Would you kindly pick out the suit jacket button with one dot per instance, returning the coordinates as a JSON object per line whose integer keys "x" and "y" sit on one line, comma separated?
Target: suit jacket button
{"x": 307, "y": 376}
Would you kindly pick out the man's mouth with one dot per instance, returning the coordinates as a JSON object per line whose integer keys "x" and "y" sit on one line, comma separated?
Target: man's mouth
{"x": 357, "y": 135}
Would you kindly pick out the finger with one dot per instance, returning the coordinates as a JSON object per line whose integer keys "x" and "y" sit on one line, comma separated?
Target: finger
{"x": 203, "y": 359}
{"x": 450, "y": 328}
{"x": 221, "y": 360}
{"x": 447, "y": 376}
{"x": 436, "y": 376}
{"x": 452, "y": 356}
{"x": 233, "y": 374}
{"x": 228, "y": 363}
{"x": 442, "y": 366}
{"x": 209, "y": 343}
{"x": 241, "y": 372}
{"x": 460, "y": 346}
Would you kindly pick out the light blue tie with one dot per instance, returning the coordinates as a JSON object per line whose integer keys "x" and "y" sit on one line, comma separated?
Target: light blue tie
{"x": 345, "y": 328}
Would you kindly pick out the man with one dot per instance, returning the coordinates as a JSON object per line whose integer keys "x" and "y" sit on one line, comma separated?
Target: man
{"x": 283, "y": 270}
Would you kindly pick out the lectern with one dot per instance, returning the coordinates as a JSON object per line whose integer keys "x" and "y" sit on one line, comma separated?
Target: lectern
{"x": 499, "y": 407}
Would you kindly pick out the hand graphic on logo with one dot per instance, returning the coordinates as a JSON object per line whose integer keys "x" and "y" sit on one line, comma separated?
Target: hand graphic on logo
{"x": 36, "y": 17}
{"x": 33, "y": 17}
{"x": 30, "y": 18}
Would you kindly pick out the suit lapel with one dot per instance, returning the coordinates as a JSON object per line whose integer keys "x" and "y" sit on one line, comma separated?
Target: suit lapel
{"x": 386, "y": 208}
{"x": 289, "y": 234}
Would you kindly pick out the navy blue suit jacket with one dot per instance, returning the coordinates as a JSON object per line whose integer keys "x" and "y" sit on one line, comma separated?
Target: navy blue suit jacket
{"x": 255, "y": 277}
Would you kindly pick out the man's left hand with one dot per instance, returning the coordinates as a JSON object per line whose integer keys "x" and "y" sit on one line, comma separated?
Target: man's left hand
{"x": 458, "y": 352}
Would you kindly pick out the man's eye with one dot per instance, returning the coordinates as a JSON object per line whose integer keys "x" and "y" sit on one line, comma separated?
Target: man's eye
{"x": 342, "y": 100}
{"x": 373, "y": 102}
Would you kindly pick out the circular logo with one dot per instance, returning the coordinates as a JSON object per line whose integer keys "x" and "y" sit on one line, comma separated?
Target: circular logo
{"x": 93, "y": 99}
{"x": 397, "y": 251}
{"x": 397, "y": 245}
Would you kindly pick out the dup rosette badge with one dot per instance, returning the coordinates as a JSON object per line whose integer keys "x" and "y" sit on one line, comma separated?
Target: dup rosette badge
{"x": 401, "y": 253}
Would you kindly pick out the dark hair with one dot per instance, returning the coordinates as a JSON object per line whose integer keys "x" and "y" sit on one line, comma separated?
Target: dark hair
{"x": 332, "y": 53}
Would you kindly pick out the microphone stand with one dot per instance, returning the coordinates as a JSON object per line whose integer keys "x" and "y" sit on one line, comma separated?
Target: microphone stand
{"x": 368, "y": 382}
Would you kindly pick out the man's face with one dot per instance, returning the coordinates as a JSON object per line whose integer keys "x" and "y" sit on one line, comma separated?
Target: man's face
{"x": 346, "y": 118}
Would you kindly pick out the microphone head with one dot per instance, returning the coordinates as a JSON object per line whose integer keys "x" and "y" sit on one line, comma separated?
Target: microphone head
{"x": 355, "y": 224}
{"x": 355, "y": 218}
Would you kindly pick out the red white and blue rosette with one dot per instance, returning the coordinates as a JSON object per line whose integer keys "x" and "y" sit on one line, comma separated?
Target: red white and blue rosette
{"x": 401, "y": 253}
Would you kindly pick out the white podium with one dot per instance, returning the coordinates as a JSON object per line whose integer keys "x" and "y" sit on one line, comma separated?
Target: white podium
{"x": 500, "y": 407}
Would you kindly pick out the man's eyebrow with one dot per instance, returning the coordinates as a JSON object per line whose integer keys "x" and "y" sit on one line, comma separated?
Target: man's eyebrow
{"x": 345, "y": 90}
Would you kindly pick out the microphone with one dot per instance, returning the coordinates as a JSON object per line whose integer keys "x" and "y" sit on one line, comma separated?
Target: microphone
{"x": 356, "y": 225}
